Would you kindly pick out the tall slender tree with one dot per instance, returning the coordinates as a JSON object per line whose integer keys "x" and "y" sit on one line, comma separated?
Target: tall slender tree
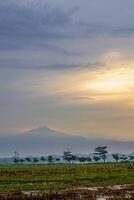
{"x": 68, "y": 156}
{"x": 101, "y": 151}
{"x": 16, "y": 157}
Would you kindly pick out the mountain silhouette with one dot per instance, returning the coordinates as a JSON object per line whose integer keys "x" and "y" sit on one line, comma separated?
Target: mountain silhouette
{"x": 44, "y": 141}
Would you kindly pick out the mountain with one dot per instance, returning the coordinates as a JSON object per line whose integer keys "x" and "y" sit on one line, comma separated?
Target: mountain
{"x": 44, "y": 141}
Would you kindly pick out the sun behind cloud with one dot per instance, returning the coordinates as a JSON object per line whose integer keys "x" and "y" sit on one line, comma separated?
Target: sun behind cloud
{"x": 114, "y": 81}
{"x": 106, "y": 85}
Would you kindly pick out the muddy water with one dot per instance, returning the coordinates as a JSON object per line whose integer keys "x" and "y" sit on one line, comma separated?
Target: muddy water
{"x": 102, "y": 193}
{"x": 127, "y": 189}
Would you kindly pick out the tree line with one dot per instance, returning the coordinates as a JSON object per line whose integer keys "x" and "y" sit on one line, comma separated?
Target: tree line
{"x": 100, "y": 155}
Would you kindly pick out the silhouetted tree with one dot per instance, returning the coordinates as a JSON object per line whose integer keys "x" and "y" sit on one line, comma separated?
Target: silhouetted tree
{"x": 28, "y": 159}
{"x": 96, "y": 158}
{"x": 50, "y": 159}
{"x": 16, "y": 157}
{"x": 123, "y": 158}
{"x": 67, "y": 155}
{"x": 82, "y": 159}
{"x": 101, "y": 151}
{"x": 21, "y": 160}
{"x": 116, "y": 157}
{"x": 43, "y": 159}
{"x": 35, "y": 160}
{"x": 131, "y": 158}
{"x": 73, "y": 158}
{"x": 57, "y": 159}
{"x": 89, "y": 159}
{"x": 16, "y": 160}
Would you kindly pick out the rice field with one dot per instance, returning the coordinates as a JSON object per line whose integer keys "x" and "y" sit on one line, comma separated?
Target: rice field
{"x": 67, "y": 181}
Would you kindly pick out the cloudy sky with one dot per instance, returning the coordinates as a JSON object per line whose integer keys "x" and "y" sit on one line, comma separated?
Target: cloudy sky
{"x": 67, "y": 65}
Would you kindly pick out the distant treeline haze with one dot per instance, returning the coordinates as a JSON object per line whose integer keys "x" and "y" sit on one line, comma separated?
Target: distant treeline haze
{"x": 100, "y": 155}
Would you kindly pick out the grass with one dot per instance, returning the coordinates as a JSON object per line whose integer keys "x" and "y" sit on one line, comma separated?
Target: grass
{"x": 63, "y": 176}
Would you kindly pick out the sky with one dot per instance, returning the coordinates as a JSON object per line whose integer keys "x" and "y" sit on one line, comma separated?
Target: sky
{"x": 67, "y": 65}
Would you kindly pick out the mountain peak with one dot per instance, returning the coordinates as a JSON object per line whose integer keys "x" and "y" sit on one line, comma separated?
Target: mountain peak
{"x": 45, "y": 141}
{"x": 43, "y": 132}
{"x": 43, "y": 128}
